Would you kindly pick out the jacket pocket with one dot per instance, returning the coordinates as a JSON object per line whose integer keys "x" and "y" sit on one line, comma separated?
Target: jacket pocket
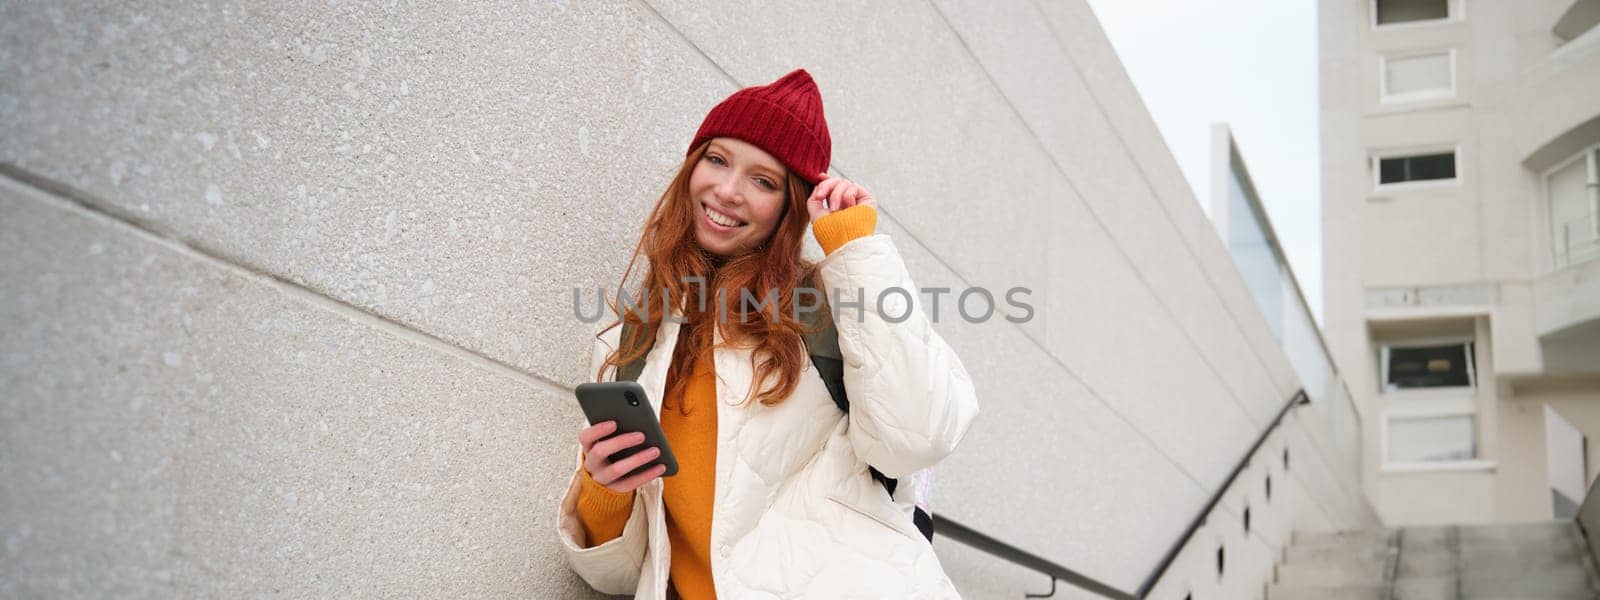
{"x": 882, "y": 514}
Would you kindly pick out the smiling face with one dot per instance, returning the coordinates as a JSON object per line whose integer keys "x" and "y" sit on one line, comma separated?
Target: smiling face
{"x": 739, "y": 194}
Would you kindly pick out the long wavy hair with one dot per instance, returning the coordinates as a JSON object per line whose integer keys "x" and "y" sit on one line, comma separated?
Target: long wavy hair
{"x": 674, "y": 254}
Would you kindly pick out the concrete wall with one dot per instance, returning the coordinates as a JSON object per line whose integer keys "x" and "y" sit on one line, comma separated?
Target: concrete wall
{"x": 1575, "y": 399}
{"x": 288, "y": 296}
{"x": 1476, "y": 248}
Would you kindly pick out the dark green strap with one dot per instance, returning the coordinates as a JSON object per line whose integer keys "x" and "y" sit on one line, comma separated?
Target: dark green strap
{"x": 630, "y": 371}
{"x": 823, "y": 346}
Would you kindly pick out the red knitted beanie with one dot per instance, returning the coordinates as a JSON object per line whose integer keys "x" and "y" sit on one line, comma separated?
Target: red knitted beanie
{"x": 783, "y": 118}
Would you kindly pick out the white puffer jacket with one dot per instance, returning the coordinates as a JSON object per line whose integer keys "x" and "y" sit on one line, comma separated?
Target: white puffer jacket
{"x": 796, "y": 513}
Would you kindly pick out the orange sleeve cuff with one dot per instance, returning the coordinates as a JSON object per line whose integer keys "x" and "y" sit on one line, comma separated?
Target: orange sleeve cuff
{"x": 838, "y": 228}
{"x": 602, "y": 511}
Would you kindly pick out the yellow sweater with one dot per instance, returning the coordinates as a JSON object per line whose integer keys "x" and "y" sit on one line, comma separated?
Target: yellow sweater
{"x": 688, "y": 495}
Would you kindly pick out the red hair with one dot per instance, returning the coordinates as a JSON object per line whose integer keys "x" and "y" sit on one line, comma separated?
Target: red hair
{"x": 668, "y": 242}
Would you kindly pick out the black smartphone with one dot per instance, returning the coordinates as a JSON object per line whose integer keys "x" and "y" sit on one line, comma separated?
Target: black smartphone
{"x": 625, "y": 403}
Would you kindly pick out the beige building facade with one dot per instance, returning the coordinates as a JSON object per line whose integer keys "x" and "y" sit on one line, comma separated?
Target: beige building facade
{"x": 1459, "y": 199}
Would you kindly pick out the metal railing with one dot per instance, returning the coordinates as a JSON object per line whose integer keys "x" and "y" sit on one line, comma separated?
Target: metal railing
{"x": 945, "y": 527}
{"x": 1578, "y": 240}
{"x": 976, "y": 539}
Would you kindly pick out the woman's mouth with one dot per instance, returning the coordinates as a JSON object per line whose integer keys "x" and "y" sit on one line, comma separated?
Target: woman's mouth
{"x": 719, "y": 221}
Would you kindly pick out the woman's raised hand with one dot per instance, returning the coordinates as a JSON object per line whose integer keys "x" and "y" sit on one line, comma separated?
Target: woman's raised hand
{"x": 840, "y": 193}
{"x": 597, "y": 453}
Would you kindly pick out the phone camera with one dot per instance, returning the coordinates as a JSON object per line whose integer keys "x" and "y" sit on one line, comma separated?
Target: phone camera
{"x": 633, "y": 399}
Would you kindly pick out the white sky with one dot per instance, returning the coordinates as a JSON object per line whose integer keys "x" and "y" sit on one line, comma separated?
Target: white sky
{"x": 1253, "y": 65}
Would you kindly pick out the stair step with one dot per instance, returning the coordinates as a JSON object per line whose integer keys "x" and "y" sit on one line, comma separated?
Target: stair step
{"x": 1418, "y": 588}
{"x": 1333, "y": 573}
{"x": 1426, "y": 563}
{"x": 1305, "y": 554}
{"x": 1434, "y": 587}
{"x": 1522, "y": 533}
{"x": 1353, "y": 538}
{"x": 1526, "y": 561}
{"x": 1564, "y": 581}
{"x": 1301, "y": 592}
{"x": 1428, "y": 538}
{"x": 1519, "y": 558}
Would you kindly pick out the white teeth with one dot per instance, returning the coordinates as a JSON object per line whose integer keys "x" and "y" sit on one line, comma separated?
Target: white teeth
{"x": 721, "y": 220}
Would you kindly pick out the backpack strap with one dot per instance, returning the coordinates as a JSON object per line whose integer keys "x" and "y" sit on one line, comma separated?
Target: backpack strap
{"x": 823, "y": 346}
{"x": 630, "y": 371}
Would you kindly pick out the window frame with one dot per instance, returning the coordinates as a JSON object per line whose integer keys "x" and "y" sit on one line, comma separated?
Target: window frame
{"x": 1455, "y": 10}
{"x": 1384, "y": 97}
{"x": 1412, "y": 414}
{"x": 1472, "y": 366}
{"x": 1591, "y": 156}
{"x": 1376, "y": 158}
{"x": 1427, "y": 403}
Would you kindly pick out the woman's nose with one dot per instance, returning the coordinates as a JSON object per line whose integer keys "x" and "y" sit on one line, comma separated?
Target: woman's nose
{"x": 728, "y": 190}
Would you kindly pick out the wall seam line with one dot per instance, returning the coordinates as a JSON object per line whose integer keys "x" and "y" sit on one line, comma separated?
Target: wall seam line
{"x": 69, "y": 198}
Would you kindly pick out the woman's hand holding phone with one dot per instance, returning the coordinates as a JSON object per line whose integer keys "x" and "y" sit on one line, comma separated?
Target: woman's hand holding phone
{"x": 597, "y": 451}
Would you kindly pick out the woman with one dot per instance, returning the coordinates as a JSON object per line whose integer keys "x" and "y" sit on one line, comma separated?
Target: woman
{"x": 773, "y": 497}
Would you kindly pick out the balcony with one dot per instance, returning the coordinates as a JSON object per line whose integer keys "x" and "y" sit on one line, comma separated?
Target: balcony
{"x": 1568, "y": 297}
{"x": 1577, "y": 241}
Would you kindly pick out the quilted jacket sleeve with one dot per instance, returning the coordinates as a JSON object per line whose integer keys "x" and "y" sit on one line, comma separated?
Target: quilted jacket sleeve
{"x": 612, "y": 567}
{"x": 911, "y": 400}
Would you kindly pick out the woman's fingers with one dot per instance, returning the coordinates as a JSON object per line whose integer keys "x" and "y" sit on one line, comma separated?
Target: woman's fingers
{"x": 629, "y": 483}
{"x": 836, "y": 197}
{"x": 838, "y": 193}
{"x": 616, "y": 470}
{"x": 852, "y": 195}
{"x": 824, "y": 188}
{"x": 603, "y": 449}
{"x": 597, "y": 451}
{"x": 594, "y": 433}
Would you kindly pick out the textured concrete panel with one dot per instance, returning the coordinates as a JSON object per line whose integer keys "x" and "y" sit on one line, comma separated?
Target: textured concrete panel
{"x": 457, "y": 171}
{"x": 1111, "y": 332}
{"x": 1471, "y": 497}
{"x": 1419, "y": 239}
{"x": 980, "y": 575}
{"x": 173, "y": 427}
{"x": 1066, "y": 453}
{"x": 1320, "y": 468}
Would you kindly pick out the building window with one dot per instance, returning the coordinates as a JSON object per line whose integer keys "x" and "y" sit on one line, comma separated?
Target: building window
{"x": 1433, "y": 366}
{"x": 1410, "y": 12}
{"x": 1430, "y": 401}
{"x": 1417, "y": 76}
{"x": 1572, "y": 192}
{"x": 1440, "y": 437}
{"x": 1412, "y": 168}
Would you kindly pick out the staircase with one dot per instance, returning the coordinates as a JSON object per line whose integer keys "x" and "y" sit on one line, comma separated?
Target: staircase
{"x": 1533, "y": 561}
